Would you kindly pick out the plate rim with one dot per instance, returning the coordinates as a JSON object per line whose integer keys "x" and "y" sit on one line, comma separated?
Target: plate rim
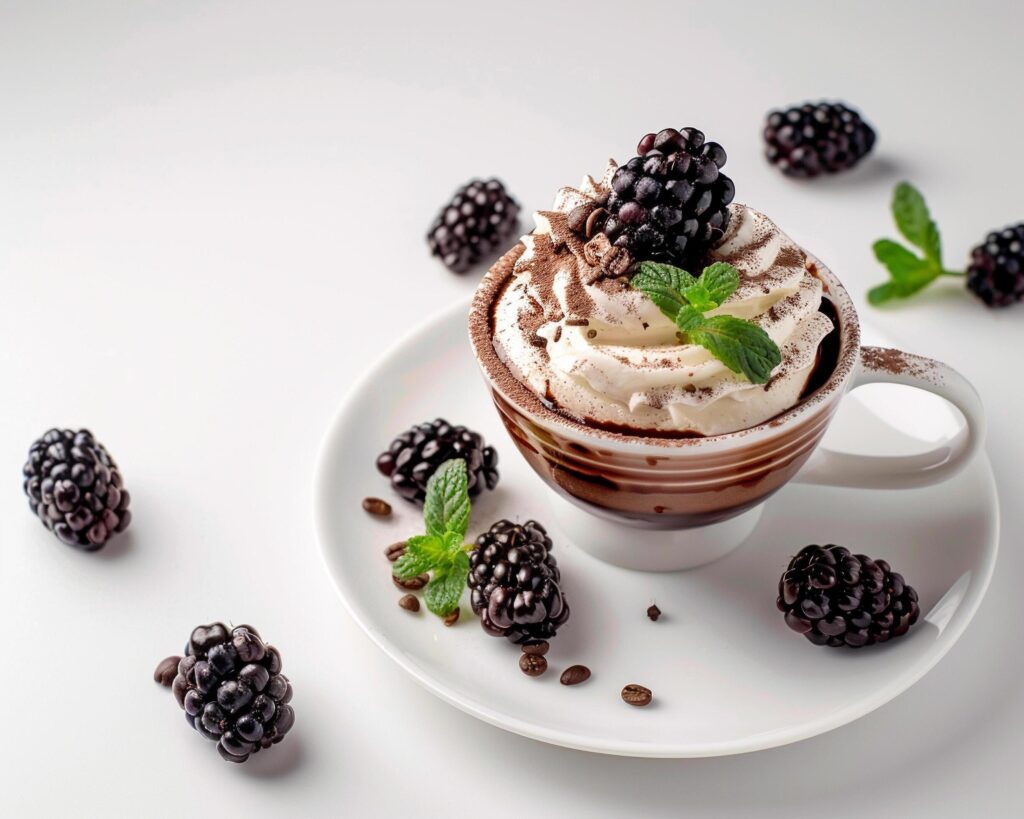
{"x": 341, "y": 420}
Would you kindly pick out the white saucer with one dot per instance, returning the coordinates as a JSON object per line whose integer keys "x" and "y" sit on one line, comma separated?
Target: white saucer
{"x": 728, "y": 676}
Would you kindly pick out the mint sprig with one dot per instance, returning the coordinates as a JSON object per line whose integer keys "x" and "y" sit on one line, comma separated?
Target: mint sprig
{"x": 908, "y": 271}
{"x": 739, "y": 344}
{"x": 442, "y": 550}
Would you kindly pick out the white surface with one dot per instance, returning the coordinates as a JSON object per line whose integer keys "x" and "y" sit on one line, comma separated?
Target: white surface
{"x": 211, "y": 215}
{"x": 727, "y": 674}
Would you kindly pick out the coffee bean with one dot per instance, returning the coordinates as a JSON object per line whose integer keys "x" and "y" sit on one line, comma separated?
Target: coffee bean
{"x": 578, "y": 216}
{"x": 410, "y": 602}
{"x": 539, "y": 648}
{"x": 376, "y": 506}
{"x": 413, "y": 583}
{"x": 395, "y": 551}
{"x": 533, "y": 665}
{"x": 595, "y": 221}
{"x": 574, "y": 675}
{"x": 653, "y": 612}
{"x": 167, "y": 670}
{"x": 576, "y": 322}
{"x": 637, "y": 695}
{"x": 452, "y": 618}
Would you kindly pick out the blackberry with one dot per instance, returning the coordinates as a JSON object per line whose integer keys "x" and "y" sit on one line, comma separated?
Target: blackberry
{"x": 836, "y": 598}
{"x": 415, "y": 454}
{"x": 232, "y": 690}
{"x": 814, "y": 138}
{"x": 996, "y": 272}
{"x": 670, "y": 202}
{"x": 513, "y": 582}
{"x": 75, "y": 488}
{"x": 478, "y": 218}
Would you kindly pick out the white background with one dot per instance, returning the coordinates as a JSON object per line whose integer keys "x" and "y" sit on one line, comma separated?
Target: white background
{"x": 211, "y": 221}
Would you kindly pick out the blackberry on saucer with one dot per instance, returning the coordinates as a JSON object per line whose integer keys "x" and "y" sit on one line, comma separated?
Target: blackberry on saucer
{"x": 836, "y": 598}
{"x": 815, "y": 138}
{"x": 669, "y": 203}
{"x": 996, "y": 271}
{"x": 478, "y": 218}
{"x": 416, "y": 454}
{"x": 75, "y": 488}
{"x": 230, "y": 685}
{"x": 514, "y": 583}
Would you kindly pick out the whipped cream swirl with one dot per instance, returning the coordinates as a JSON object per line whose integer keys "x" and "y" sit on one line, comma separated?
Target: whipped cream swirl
{"x": 595, "y": 349}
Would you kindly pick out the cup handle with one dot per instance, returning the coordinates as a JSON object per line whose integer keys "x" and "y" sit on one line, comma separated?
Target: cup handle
{"x": 888, "y": 366}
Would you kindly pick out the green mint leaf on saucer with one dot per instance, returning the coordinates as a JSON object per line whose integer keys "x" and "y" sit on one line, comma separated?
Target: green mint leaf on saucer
{"x": 445, "y": 588}
{"x": 741, "y": 345}
{"x": 909, "y": 272}
{"x": 664, "y": 285}
{"x": 422, "y": 553}
{"x": 446, "y": 508}
{"x": 441, "y": 551}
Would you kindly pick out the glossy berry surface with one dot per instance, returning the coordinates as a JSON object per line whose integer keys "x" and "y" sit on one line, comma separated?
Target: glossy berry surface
{"x": 996, "y": 272}
{"x": 475, "y": 222}
{"x": 514, "y": 583}
{"x": 669, "y": 203}
{"x": 836, "y": 598}
{"x": 816, "y": 138}
{"x": 416, "y": 454}
{"x": 230, "y": 685}
{"x": 75, "y": 488}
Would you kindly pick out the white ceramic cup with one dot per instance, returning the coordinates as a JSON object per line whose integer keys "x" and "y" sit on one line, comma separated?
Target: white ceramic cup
{"x": 664, "y": 504}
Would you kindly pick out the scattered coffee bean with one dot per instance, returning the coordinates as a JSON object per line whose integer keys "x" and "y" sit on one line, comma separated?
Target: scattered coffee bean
{"x": 413, "y": 583}
{"x": 376, "y": 506}
{"x": 395, "y": 551}
{"x": 410, "y": 602}
{"x": 167, "y": 670}
{"x": 533, "y": 665}
{"x": 452, "y": 618}
{"x": 540, "y": 648}
{"x": 637, "y": 695}
{"x": 653, "y": 612}
{"x": 574, "y": 675}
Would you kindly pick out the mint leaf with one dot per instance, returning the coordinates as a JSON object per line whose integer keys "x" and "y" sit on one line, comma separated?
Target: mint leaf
{"x": 664, "y": 285}
{"x": 689, "y": 318}
{"x": 422, "y": 553}
{"x": 699, "y": 297}
{"x": 742, "y": 346}
{"x": 444, "y": 591}
{"x": 908, "y": 271}
{"x": 446, "y": 508}
{"x": 913, "y": 220}
{"x": 720, "y": 280}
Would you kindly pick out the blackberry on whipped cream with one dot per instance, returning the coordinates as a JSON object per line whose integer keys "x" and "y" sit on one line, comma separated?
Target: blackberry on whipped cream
{"x": 594, "y": 349}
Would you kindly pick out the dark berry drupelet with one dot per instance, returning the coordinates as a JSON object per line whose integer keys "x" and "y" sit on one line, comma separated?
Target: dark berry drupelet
{"x": 814, "y": 138}
{"x": 232, "y": 690}
{"x": 480, "y": 216}
{"x": 836, "y": 598}
{"x": 670, "y": 202}
{"x": 514, "y": 583}
{"x": 417, "y": 453}
{"x": 75, "y": 488}
{"x": 996, "y": 272}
